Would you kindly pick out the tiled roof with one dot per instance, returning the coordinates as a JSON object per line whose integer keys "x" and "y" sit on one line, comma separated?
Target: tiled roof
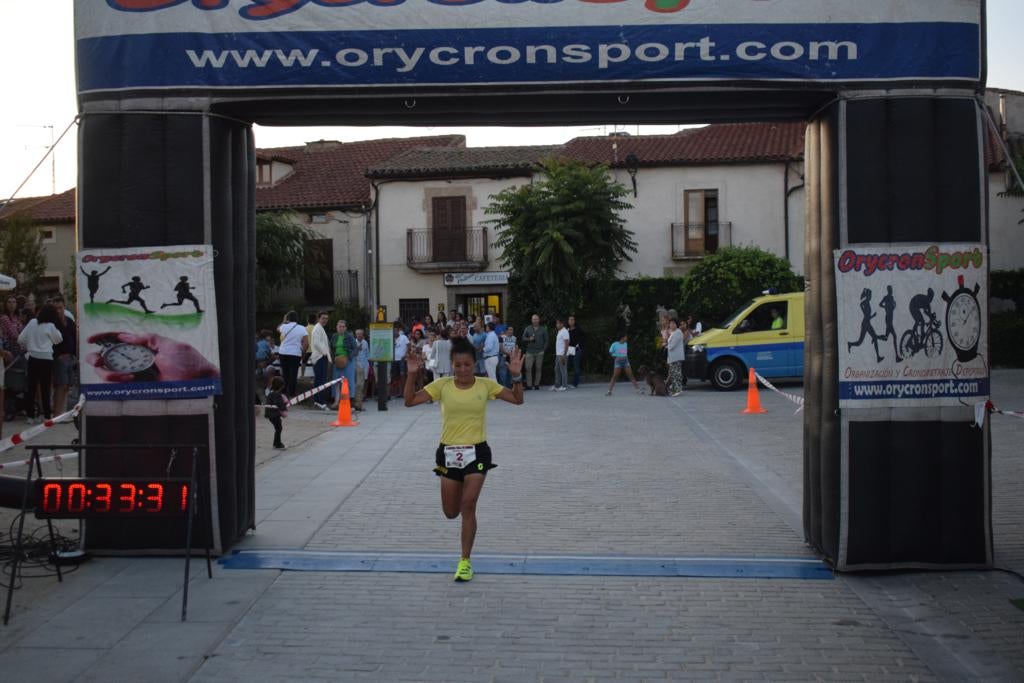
{"x": 714, "y": 144}
{"x": 424, "y": 162}
{"x": 274, "y": 155}
{"x": 19, "y": 205}
{"x": 330, "y": 175}
{"x": 334, "y": 174}
{"x": 55, "y": 208}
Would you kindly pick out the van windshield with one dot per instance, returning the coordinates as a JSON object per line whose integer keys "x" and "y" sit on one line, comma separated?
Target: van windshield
{"x": 732, "y": 318}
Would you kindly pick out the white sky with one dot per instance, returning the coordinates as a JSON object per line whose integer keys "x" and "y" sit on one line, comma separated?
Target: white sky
{"x": 37, "y": 96}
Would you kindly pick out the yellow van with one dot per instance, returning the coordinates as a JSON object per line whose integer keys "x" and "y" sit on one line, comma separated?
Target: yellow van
{"x": 766, "y": 333}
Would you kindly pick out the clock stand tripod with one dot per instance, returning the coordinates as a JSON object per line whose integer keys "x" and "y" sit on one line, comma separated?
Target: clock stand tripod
{"x": 94, "y": 498}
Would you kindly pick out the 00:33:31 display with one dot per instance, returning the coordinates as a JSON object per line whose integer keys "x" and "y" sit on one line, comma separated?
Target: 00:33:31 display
{"x": 97, "y": 497}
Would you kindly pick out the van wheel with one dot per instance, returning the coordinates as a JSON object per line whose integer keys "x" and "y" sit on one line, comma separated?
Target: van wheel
{"x": 726, "y": 375}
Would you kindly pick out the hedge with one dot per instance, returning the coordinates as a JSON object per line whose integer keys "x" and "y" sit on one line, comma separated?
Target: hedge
{"x": 1007, "y": 332}
{"x": 1009, "y": 284}
{"x": 601, "y": 318}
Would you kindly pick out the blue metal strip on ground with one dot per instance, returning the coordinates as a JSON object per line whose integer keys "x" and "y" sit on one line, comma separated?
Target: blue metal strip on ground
{"x": 538, "y": 565}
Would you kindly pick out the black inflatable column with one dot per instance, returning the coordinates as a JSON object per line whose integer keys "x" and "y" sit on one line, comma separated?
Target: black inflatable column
{"x": 890, "y": 487}
{"x": 162, "y": 180}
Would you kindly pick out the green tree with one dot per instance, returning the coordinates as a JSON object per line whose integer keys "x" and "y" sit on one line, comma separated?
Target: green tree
{"x": 280, "y": 252}
{"x": 71, "y": 284}
{"x": 725, "y": 280}
{"x": 559, "y": 234}
{"x": 21, "y": 252}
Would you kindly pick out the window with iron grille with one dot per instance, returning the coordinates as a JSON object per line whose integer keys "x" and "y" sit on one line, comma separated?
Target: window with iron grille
{"x": 410, "y": 309}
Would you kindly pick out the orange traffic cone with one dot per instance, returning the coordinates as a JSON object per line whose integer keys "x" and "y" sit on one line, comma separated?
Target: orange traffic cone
{"x": 753, "y": 399}
{"x": 344, "y": 409}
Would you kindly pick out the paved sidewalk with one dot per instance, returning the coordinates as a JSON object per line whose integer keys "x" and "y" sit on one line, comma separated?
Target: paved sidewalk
{"x": 579, "y": 474}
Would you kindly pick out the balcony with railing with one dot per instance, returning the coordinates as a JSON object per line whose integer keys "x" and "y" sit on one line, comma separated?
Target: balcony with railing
{"x": 431, "y": 250}
{"x": 321, "y": 289}
{"x": 697, "y": 240}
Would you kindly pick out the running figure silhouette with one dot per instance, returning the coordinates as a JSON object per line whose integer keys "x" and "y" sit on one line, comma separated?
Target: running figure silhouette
{"x": 866, "y": 328}
{"x": 135, "y": 287}
{"x": 183, "y": 289}
{"x": 92, "y": 279}
{"x": 888, "y": 304}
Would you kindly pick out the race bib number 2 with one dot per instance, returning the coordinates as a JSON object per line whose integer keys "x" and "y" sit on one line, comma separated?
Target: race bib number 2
{"x": 457, "y": 457}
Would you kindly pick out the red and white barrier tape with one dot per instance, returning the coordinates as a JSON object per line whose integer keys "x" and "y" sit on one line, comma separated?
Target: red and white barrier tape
{"x": 59, "y": 459}
{"x": 982, "y": 408}
{"x": 315, "y": 390}
{"x": 798, "y": 400}
{"x": 38, "y": 429}
{"x": 306, "y": 394}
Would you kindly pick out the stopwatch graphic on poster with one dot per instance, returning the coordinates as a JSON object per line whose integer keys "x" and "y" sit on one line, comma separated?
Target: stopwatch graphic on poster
{"x": 963, "y": 320}
{"x": 126, "y": 358}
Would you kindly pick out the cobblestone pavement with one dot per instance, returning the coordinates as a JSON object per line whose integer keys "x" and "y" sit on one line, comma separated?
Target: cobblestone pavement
{"x": 578, "y": 473}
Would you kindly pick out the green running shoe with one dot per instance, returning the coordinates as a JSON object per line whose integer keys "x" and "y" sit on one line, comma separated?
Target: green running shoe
{"x": 464, "y": 572}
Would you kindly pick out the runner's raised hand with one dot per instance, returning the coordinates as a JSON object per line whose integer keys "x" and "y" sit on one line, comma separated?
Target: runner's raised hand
{"x": 413, "y": 360}
{"x": 515, "y": 362}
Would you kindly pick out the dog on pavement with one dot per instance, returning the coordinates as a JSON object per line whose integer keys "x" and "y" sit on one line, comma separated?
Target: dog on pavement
{"x": 655, "y": 381}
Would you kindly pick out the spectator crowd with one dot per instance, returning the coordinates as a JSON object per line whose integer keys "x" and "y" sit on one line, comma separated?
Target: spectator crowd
{"x": 331, "y": 352}
{"x": 38, "y": 358}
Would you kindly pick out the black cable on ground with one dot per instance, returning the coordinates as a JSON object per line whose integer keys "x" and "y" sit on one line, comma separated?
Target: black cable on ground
{"x": 37, "y": 558}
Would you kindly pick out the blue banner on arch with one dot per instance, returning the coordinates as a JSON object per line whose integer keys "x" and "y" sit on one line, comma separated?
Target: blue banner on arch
{"x": 704, "y": 53}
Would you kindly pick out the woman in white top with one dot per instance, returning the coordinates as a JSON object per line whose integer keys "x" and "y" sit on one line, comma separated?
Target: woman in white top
{"x": 441, "y": 349}
{"x": 430, "y": 361}
{"x": 294, "y": 342}
{"x": 676, "y": 346}
{"x": 39, "y": 337}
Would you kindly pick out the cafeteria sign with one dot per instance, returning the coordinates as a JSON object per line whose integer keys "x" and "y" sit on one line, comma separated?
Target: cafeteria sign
{"x": 492, "y": 278}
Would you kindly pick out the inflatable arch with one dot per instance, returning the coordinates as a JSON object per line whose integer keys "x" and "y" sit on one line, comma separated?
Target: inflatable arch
{"x": 894, "y": 473}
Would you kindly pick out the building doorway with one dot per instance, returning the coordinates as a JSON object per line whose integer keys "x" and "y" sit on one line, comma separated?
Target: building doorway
{"x": 482, "y": 304}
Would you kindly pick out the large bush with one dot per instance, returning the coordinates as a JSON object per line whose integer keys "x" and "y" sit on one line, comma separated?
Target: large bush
{"x": 1007, "y": 331}
{"x": 1009, "y": 284}
{"x": 725, "y": 280}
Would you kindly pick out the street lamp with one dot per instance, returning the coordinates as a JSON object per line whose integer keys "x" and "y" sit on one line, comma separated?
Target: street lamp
{"x": 632, "y": 165}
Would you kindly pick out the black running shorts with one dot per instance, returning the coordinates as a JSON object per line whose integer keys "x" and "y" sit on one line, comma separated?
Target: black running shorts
{"x": 479, "y": 466}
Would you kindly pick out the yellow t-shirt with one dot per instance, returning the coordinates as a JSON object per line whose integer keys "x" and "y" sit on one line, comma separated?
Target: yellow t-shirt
{"x": 463, "y": 411}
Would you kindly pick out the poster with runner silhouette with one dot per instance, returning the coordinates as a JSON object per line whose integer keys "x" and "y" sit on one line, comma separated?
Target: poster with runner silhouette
{"x": 912, "y": 325}
{"x": 148, "y": 323}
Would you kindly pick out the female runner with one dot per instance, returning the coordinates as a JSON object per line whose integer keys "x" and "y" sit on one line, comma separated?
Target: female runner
{"x": 463, "y": 457}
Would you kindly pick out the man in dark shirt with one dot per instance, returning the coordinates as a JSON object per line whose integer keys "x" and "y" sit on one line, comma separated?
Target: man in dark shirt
{"x": 576, "y": 353}
{"x": 64, "y": 357}
{"x": 535, "y": 340}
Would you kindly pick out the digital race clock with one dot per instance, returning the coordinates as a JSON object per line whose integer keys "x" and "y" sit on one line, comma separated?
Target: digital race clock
{"x": 104, "y": 497}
